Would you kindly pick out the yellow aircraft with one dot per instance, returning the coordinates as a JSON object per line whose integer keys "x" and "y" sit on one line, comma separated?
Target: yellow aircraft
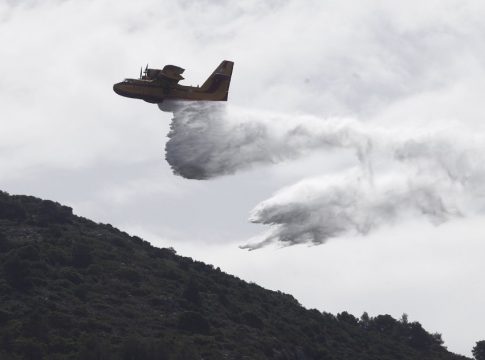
{"x": 155, "y": 85}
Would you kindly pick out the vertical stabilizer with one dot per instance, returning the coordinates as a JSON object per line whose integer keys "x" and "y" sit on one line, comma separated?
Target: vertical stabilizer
{"x": 218, "y": 83}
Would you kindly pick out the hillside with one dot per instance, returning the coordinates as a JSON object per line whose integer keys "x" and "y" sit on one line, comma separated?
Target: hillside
{"x": 74, "y": 289}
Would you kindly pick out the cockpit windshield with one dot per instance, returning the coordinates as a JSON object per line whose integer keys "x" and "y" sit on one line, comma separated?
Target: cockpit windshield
{"x": 137, "y": 81}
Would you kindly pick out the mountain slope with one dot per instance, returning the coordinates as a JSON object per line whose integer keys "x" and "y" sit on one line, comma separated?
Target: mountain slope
{"x": 74, "y": 289}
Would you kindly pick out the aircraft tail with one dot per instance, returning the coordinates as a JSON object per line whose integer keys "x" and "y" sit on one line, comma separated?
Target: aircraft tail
{"x": 219, "y": 81}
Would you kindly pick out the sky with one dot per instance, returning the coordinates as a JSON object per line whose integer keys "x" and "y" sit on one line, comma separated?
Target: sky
{"x": 349, "y": 156}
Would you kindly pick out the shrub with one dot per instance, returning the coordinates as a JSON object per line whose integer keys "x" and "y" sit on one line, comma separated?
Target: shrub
{"x": 17, "y": 273}
{"x": 193, "y": 322}
{"x": 252, "y": 320}
{"x": 81, "y": 255}
{"x": 347, "y": 318}
{"x": 383, "y": 323}
{"x": 418, "y": 337}
{"x": 55, "y": 256}
{"x": 81, "y": 292}
{"x": 5, "y": 244}
{"x": 35, "y": 325}
{"x": 50, "y": 212}
{"x": 191, "y": 293}
{"x": 11, "y": 210}
{"x": 71, "y": 275}
{"x": 60, "y": 321}
{"x": 134, "y": 349}
{"x": 29, "y": 349}
{"x": 479, "y": 350}
{"x": 130, "y": 275}
{"x": 4, "y": 316}
{"x": 28, "y": 252}
{"x": 94, "y": 348}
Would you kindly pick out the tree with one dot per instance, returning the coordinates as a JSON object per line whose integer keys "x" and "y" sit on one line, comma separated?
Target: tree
{"x": 383, "y": 324}
{"x": 191, "y": 293}
{"x": 30, "y": 349}
{"x": 92, "y": 347}
{"x": 347, "y": 318}
{"x": 11, "y": 210}
{"x": 365, "y": 320}
{"x": 17, "y": 272}
{"x": 438, "y": 339}
{"x": 134, "y": 349}
{"x": 5, "y": 244}
{"x": 479, "y": 350}
{"x": 252, "y": 320}
{"x": 81, "y": 255}
{"x": 418, "y": 338}
{"x": 193, "y": 322}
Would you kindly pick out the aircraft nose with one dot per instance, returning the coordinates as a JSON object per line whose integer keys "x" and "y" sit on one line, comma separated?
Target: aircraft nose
{"x": 117, "y": 88}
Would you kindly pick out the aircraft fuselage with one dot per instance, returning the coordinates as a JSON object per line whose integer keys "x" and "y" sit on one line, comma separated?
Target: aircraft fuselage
{"x": 155, "y": 92}
{"x": 159, "y": 85}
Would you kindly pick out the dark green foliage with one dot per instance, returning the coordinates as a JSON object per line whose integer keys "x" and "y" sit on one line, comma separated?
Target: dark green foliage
{"x": 11, "y": 210}
{"x": 419, "y": 338}
{"x": 383, "y": 324}
{"x": 71, "y": 274}
{"x": 81, "y": 255}
{"x": 94, "y": 348}
{"x": 56, "y": 256}
{"x": 479, "y": 350}
{"x": 365, "y": 320}
{"x": 28, "y": 252}
{"x": 29, "y": 349}
{"x": 81, "y": 292}
{"x": 4, "y": 317}
{"x": 39, "y": 212}
{"x": 130, "y": 275}
{"x": 252, "y": 320}
{"x": 348, "y": 318}
{"x": 35, "y": 325}
{"x": 193, "y": 322}
{"x": 134, "y": 349}
{"x": 188, "y": 353}
{"x": 5, "y": 244}
{"x": 191, "y": 293}
{"x": 50, "y": 212}
{"x": 73, "y": 289}
{"x": 16, "y": 272}
{"x": 58, "y": 320}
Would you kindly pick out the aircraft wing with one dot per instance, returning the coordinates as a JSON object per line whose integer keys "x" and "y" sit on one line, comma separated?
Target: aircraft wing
{"x": 172, "y": 73}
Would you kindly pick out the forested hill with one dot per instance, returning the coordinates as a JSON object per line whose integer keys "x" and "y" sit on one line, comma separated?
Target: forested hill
{"x": 74, "y": 289}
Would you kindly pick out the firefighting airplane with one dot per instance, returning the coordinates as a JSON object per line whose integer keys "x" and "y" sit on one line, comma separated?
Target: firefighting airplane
{"x": 155, "y": 86}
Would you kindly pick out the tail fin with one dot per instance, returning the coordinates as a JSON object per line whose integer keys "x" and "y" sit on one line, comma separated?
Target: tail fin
{"x": 218, "y": 83}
